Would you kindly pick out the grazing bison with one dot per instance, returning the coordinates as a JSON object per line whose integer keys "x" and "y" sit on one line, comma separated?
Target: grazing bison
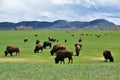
{"x": 36, "y": 35}
{"x": 10, "y": 49}
{"x": 80, "y": 39}
{"x": 25, "y": 39}
{"x": 52, "y": 39}
{"x": 65, "y": 40}
{"x": 107, "y": 55}
{"x": 37, "y": 41}
{"x": 78, "y": 48}
{"x": 37, "y": 48}
{"x": 56, "y": 48}
{"x": 47, "y": 43}
{"x": 61, "y": 54}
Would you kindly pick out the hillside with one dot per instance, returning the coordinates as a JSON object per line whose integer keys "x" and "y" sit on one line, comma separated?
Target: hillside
{"x": 59, "y": 24}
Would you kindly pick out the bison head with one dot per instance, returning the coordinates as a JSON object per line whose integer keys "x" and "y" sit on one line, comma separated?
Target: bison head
{"x": 56, "y": 60}
{"x": 52, "y": 52}
{"x": 6, "y": 52}
{"x": 111, "y": 59}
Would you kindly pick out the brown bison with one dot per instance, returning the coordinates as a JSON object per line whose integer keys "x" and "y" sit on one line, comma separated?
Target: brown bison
{"x": 25, "y": 39}
{"x": 61, "y": 54}
{"x": 107, "y": 55}
{"x": 37, "y": 48}
{"x": 47, "y": 43}
{"x": 37, "y": 41}
{"x": 56, "y": 48}
{"x": 80, "y": 39}
{"x": 78, "y": 48}
{"x": 52, "y": 39}
{"x": 65, "y": 40}
{"x": 10, "y": 49}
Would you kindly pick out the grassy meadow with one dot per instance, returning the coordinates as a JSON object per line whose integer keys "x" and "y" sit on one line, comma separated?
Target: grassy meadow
{"x": 89, "y": 65}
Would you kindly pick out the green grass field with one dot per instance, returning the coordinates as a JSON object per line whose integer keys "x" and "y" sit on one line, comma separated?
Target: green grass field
{"x": 88, "y": 65}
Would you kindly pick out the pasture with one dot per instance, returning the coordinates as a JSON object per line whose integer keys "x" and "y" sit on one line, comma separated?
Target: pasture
{"x": 88, "y": 65}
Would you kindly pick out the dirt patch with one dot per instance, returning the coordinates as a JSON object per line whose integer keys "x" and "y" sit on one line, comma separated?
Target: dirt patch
{"x": 94, "y": 58}
{"x": 20, "y": 60}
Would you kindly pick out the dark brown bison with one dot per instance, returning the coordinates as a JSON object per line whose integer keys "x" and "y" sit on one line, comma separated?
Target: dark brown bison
{"x": 107, "y": 55}
{"x": 80, "y": 39}
{"x": 61, "y": 54}
{"x": 25, "y": 39}
{"x": 65, "y": 40}
{"x": 78, "y": 48}
{"x": 52, "y": 39}
{"x": 56, "y": 48}
{"x": 47, "y": 43}
{"x": 37, "y": 41}
{"x": 36, "y": 35}
{"x": 10, "y": 49}
{"x": 37, "y": 48}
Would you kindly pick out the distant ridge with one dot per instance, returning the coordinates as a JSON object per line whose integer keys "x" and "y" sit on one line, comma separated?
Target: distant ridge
{"x": 97, "y": 24}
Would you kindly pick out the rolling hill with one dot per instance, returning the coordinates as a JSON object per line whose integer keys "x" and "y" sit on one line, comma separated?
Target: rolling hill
{"x": 59, "y": 24}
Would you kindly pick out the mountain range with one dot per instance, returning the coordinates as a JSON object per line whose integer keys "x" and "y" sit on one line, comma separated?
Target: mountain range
{"x": 59, "y": 24}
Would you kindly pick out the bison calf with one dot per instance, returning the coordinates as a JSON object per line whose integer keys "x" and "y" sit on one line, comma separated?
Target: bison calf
{"x": 10, "y": 49}
{"x": 61, "y": 54}
{"x": 25, "y": 39}
{"x": 47, "y": 43}
{"x": 37, "y": 48}
{"x": 78, "y": 48}
{"x": 107, "y": 55}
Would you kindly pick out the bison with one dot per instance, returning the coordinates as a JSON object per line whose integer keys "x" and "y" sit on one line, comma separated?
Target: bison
{"x": 25, "y": 39}
{"x": 37, "y": 48}
{"x": 65, "y": 40}
{"x": 56, "y": 48}
{"x": 61, "y": 54}
{"x": 80, "y": 39}
{"x": 37, "y": 41}
{"x": 10, "y": 49}
{"x": 107, "y": 55}
{"x": 52, "y": 39}
{"x": 78, "y": 48}
{"x": 47, "y": 43}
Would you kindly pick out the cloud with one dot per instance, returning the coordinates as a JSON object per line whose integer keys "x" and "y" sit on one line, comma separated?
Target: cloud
{"x": 63, "y": 2}
{"x": 50, "y": 10}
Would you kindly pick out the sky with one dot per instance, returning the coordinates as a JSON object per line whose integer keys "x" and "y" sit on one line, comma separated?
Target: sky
{"x": 51, "y": 10}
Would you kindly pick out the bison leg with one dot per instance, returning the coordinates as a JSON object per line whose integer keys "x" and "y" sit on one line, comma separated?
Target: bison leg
{"x": 5, "y": 54}
{"x": 34, "y": 50}
{"x": 17, "y": 53}
{"x": 77, "y": 53}
{"x": 70, "y": 60}
{"x": 50, "y": 46}
{"x": 10, "y": 53}
{"x": 62, "y": 60}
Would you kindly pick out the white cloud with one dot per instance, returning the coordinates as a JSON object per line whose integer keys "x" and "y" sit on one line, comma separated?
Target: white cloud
{"x": 114, "y": 20}
{"x": 50, "y": 10}
{"x": 63, "y": 2}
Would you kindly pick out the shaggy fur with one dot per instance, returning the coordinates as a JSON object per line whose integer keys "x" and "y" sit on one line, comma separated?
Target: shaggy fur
{"x": 56, "y": 48}
{"x": 61, "y": 54}
{"x": 107, "y": 55}
{"x": 38, "y": 47}
{"x": 10, "y": 49}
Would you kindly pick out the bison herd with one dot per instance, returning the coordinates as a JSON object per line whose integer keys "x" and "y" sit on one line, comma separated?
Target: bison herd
{"x": 59, "y": 50}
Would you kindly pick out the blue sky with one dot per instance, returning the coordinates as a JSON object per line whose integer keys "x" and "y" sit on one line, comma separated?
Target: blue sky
{"x": 51, "y": 10}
